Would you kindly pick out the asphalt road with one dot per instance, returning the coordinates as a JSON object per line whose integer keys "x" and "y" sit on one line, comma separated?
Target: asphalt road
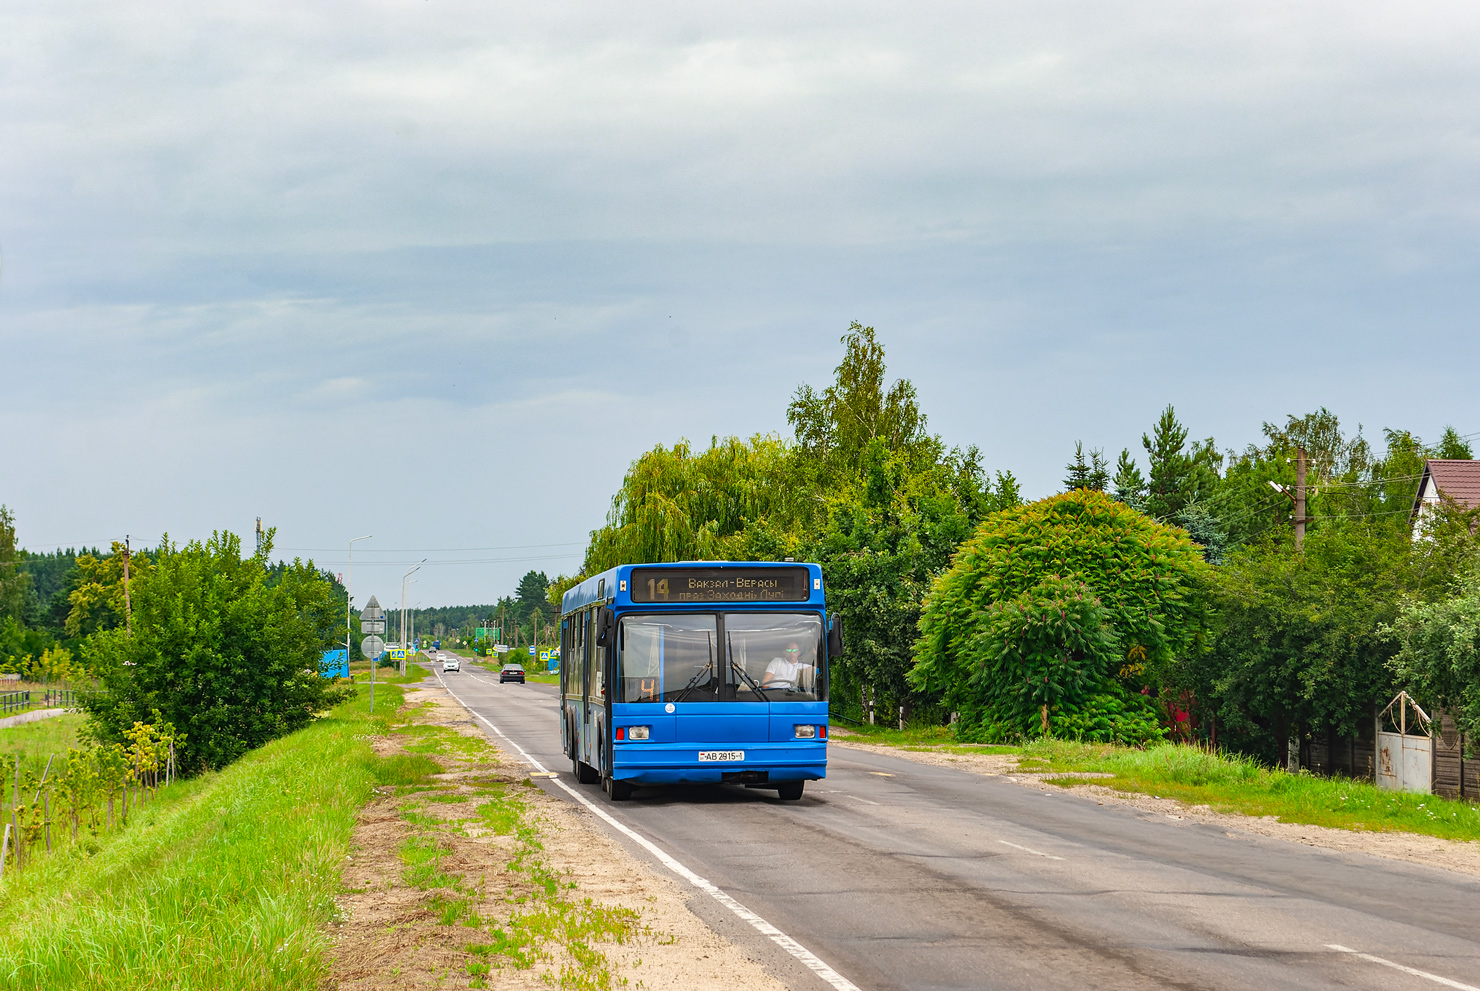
{"x": 902, "y": 875}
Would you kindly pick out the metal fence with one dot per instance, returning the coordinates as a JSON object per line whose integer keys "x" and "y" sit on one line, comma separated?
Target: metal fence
{"x": 51, "y": 698}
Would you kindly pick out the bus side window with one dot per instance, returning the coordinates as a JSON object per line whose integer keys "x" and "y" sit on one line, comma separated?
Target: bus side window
{"x": 564, "y": 652}
{"x": 598, "y": 673}
{"x": 582, "y": 620}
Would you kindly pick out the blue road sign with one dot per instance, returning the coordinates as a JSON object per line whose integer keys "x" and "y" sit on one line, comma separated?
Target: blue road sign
{"x": 334, "y": 664}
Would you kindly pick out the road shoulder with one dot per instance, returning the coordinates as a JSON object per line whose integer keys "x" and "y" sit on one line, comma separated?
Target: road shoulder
{"x": 1430, "y": 851}
{"x": 603, "y": 918}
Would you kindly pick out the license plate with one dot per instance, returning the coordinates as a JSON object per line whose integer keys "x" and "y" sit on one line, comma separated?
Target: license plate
{"x": 725, "y": 755}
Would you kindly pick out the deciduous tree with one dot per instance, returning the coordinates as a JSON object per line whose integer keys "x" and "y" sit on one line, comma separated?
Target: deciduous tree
{"x": 225, "y": 648}
{"x": 1142, "y": 591}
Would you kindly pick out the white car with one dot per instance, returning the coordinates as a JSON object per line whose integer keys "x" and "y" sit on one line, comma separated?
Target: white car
{"x": 451, "y": 663}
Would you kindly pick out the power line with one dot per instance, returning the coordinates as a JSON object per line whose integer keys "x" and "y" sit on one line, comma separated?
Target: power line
{"x": 439, "y": 550}
{"x": 489, "y": 560}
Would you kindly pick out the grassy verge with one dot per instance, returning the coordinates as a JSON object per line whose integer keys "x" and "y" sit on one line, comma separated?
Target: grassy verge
{"x": 1230, "y": 783}
{"x": 1224, "y": 782}
{"x": 927, "y": 738}
{"x": 528, "y": 916}
{"x": 197, "y": 886}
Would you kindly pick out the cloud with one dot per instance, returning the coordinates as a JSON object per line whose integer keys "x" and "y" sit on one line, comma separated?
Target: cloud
{"x": 453, "y": 264}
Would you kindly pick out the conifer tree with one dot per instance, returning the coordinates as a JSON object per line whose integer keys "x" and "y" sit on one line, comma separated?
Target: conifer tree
{"x": 1129, "y": 484}
{"x": 1081, "y": 474}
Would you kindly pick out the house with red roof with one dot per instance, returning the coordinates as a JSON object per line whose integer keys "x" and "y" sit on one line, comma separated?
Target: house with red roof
{"x": 1456, "y": 480}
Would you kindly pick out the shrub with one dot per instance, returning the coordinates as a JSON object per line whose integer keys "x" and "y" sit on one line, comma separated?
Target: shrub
{"x": 1056, "y": 616}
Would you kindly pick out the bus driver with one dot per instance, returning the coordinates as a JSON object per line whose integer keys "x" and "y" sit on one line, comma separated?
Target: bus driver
{"x": 788, "y": 670}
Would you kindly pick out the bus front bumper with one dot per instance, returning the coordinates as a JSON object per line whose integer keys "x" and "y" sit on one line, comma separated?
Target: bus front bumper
{"x": 677, "y": 763}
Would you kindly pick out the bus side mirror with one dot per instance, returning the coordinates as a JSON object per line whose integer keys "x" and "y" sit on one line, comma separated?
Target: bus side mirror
{"x": 835, "y": 636}
{"x": 606, "y": 622}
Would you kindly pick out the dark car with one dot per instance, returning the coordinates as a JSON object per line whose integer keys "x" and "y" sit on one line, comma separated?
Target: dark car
{"x": 511, "y": 672}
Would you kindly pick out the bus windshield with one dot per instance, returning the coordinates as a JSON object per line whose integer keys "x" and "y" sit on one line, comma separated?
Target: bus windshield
{"x": 669, "y": 658}
{"x": 773, "y": 656}
{"x": 748, "y": 657}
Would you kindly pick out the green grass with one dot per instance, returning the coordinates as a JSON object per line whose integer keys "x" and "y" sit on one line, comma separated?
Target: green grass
{"x": 406, "y": 769}
{"x": 914, "y": 738}
{"x": 1225, "y": 782}
{"x": 45, "y": 736}
{"x": 1231, "y": 783}
{"x": 544, "y": 924}
{"x": 233, "y": 873}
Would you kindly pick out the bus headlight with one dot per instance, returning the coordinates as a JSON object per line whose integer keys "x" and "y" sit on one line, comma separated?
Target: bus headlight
{"x": 806, "y": 732}
{"x": 638, "y": 732}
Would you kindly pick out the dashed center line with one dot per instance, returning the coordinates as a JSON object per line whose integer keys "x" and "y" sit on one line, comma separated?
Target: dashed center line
{"x": 1414, "y": 971}
{"x": 1028, "y": 849}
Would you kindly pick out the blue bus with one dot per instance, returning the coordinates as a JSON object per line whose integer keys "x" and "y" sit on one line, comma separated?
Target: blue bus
{"x": 701, "y": 672}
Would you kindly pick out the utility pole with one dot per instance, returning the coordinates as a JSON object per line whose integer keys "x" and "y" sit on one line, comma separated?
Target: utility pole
{"x": 1297, "y": 497}
{"x": 128, "y": 606}
{"x": 259, "y": 536}
{"x": 1300, "y": 519}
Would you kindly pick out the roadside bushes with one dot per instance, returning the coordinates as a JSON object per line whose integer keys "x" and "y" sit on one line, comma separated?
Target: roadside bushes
{"x": 224, "y": 647}
{"x": 1061, "y": 617}
{"x": 1438, "y": 654}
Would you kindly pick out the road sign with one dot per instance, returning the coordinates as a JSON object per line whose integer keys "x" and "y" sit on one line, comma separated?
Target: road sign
{"x": 334, "y": 663}
{"x": 372, "y": 646}
{"x": 372, "y": 617}
{"x": 531, "y": 651}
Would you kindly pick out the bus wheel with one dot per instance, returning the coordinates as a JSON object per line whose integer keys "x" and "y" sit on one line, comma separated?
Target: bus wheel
{"x": 619, "y": 791}
{"x": 790, "y": 791}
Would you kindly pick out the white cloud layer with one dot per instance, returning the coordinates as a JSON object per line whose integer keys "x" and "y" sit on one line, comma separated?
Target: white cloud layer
{"x": 507, "y": 247}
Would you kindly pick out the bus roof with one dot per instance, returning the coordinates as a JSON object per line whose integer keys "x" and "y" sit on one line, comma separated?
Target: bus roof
{"x": 799, "y": 582}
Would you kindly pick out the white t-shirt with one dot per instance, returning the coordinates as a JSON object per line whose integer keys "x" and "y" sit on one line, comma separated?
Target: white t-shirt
{"x": 782, "y": 673}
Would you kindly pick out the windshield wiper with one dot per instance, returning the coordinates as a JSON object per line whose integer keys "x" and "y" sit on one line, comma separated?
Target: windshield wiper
{"x": 742, "y": 672}
{"x": 694, "y": 681}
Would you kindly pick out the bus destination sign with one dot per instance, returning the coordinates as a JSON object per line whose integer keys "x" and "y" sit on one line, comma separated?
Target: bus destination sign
{"x": 720, "y": 585}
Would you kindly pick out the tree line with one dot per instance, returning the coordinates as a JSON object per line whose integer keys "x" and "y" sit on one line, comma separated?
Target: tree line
{"x": 1160, "y": 593}
{"x": 220, "y": 647}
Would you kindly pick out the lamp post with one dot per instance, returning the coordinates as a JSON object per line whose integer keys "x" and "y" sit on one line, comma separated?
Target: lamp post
{"x": 349, "y": 599}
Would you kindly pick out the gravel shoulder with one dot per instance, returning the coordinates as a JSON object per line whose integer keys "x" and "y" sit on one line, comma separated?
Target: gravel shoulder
{"x": 393, "y": 934}
{"x": 1452, "y": 855}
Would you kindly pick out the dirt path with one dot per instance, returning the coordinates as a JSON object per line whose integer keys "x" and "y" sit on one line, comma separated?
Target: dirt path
{"x": 476, "y": 878}
{"x": 1453, "y": 855}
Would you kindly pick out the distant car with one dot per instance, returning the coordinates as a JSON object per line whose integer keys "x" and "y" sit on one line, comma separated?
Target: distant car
{"x": 511, "y": 672}
{"x": 451, "y": 663}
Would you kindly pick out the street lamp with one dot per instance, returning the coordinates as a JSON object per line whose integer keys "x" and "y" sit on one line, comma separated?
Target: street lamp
{"x": 349, "y": 599}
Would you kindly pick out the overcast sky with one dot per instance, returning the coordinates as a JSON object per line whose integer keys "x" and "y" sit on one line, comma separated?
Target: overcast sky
{"x": 437, "y": 270}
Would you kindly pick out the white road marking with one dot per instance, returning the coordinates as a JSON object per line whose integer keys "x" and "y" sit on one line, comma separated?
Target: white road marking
{"x": 809, "y": 959}
{"x": 858, "y": 799}
{"x": 1407, "y": 970}
{"x": 1036, "y": 853}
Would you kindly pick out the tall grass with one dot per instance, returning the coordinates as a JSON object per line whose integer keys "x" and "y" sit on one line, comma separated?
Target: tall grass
{"x": 224, "y": 882}
{"x": 43, "y": 737}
